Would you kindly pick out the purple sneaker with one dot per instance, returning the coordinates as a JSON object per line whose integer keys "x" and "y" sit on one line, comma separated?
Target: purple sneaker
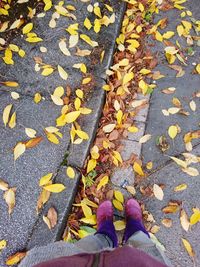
{"x": 105, "y": 224}
{"x": 133, "y": 219}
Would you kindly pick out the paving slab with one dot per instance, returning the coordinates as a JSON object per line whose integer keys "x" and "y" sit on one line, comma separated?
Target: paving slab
{"x": 158, "y": 124}
{"x": 25, "y": 229}
{"x": 171, "y": 176}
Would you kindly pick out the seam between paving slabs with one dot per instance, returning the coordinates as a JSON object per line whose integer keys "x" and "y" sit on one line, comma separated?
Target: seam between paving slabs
{"x": 39, "y": 223}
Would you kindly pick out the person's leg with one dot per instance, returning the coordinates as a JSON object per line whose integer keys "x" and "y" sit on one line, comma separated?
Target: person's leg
{"x": 105, "y": 237}
{"x": 136, "y": 234}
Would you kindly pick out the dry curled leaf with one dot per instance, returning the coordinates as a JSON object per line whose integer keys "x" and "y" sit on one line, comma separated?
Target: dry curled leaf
{"x": 9, "y": 197}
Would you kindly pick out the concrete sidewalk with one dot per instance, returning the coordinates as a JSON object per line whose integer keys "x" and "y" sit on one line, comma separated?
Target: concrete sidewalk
{"x": 24, "y": 228}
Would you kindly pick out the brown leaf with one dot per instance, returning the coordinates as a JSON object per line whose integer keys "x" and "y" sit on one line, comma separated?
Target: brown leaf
{"x": 52, "y": 216}
{"x": 33, "y": 142}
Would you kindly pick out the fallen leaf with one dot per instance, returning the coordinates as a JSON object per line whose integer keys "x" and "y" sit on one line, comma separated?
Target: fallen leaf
{"x": 63, "y": 74}
{"x": 30, "y": 132}
{"x": 52, "y": 216}
{"x": 109, "y": 128}
{"x": 188, "y": 247}
{"x": 70, "y": 172}
{"x": 9, "y": 197}
{"x": 119, "y": 225}
{"x": 145, "y": 138}
{"x": 118, "y": 195}
{"x": 138, "y": 169}
{"x": 33, "y": 142}
{"x": 184, "y": 220}
{"x": 158, "y": 192}
{"x": 45, "y": 179}
{"x": 172, "y": 131}
{"x": 180, "y": 187}
{"x": 6, "y": 113}
{"x": 16, "y": 258}
{"x": 195, "y": 217}
{"x": 19, "y": 149}
{"x": 55, "y": 188}
{"x": 102, "y": 182}
{"x": 117, "y": 205}
{"x": 3, "y": 244}
{"x": 167, "y": 222}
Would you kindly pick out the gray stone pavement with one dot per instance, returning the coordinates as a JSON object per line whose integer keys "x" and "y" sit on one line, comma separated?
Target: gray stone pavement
{"x": 24, "y": 228}
{"x": 165, "y": 171}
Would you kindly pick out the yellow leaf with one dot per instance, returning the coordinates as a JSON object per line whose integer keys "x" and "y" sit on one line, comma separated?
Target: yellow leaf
{"x": 158, "y": 192}
{"x": 168, "y": 35}
{"x": 102, "y": 182}
{"x": 87, "y": 39}
{"x": 86, "y": 80}
{"x": 16, "y": 258}
{"x": 137, "y": 168}
{"x": 13, "y": 47}
{"x": 6, "y": 113}
{"x": 19, "y": 150}
{"x": 79, "y": 93}
{"x": 195, "y": 218}
{"x": 55, "y": 188}
{"x": 52, "y": 138}
{"x": 37, "y": 98}
{"x": 158, "y": 36}
{"x": 82, "y": 134}
{"x": 12, "y": 122}
{"x": 97, "y": 11}
{"x": 172, "y": 131}
{"x": 133, "y": 129}
{"x": 119, "y": 225}
{"x": 117, "y": 205}
{"x": 34, "y": 39}
{"x": 97, "y": 25}
{"x": 72, "y": 116}
{"x": 180, "y": 187}
{"x": 70, "y": 172}
{"x": 3, "y": 244}
{"x": 127, "y": 78}
{"x": 86, "y": 210}
{"x": 10, "y": 84}
{"x": 45, "y": 179}
{"x": 143, "y": 86}
{"x": 198, "y": 68}
{"x": 91, "y": 165}
{"x": 91, "y": 220}
{"x": 118, "y": 195}
{"x": 27, "y": 28}
{"x": 63, "y": 74}
{"x": 87, "y": 24}
{"x": 21, "y": 53}
{"x": 180, "y": 30}
{"x": 188, "y": 247}
{"x": 47, "y": 71}
{"x": 59, "y": 91}
{"x": 179, "y": 162}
